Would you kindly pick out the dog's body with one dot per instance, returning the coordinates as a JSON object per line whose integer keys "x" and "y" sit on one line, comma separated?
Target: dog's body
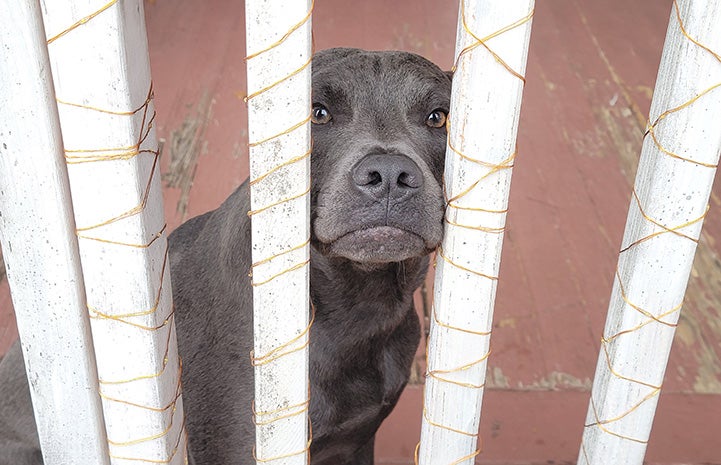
{"x": 376, "y": 212}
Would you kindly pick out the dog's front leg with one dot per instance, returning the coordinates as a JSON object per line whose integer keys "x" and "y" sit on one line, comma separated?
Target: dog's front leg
{"x": 364, "y": 456}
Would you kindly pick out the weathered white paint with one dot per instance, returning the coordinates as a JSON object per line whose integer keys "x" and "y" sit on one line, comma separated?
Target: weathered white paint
{"x": 102, "y": 74}
{"x": 37, "y": 232}
{"x": 652, "y": 275}
{"x": 279, "y": 51}
{"x": 484, "y": 114}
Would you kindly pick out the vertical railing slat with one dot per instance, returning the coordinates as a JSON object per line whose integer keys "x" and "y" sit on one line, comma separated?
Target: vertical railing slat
{"x": 668, "y": 205}
{"x": 491, "y": 50}
{"x": 41, "y": 250}
{"x": 99, "y": 57}
{"x": 278, "y": 45}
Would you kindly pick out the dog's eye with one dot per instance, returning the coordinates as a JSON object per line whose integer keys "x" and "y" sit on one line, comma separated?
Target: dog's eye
{"x": 437, "y": 119}
{"x": 320, "y": 114}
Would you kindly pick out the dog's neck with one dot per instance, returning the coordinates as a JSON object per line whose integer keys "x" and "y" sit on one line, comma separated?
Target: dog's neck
{"x": 366, "y": 301}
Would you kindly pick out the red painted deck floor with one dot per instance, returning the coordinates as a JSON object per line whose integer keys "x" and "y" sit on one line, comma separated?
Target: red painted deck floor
{"x": 591, "y": 71}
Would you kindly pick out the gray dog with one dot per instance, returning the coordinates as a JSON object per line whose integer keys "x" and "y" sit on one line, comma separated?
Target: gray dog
{"x": 376, "y": 213}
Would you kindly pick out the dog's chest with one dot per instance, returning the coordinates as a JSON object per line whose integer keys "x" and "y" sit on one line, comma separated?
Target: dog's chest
{"x": 348, "y": 407}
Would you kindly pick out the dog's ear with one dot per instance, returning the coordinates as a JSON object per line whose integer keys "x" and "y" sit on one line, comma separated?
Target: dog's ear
{"x": 449, "y": 74}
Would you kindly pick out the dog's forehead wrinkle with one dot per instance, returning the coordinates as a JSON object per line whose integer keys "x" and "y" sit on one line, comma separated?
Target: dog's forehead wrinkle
{"x": 330, "y": 93}
{"x": 377, "y": 80}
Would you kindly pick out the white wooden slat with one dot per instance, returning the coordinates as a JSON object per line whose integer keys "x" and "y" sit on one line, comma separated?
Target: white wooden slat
{"x": 98, "y": 52}
{"x": 37, "y": 233}
{"x": 670, "y": 200}
{"x": 278, "y": 40}
{"x": 485, "y": 105}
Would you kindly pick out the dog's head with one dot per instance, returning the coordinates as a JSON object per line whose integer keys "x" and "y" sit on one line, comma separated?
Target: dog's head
{"x": 378, "y": 154}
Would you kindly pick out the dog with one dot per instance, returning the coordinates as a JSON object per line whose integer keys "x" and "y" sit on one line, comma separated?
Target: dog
{"x": 376, "y": 213}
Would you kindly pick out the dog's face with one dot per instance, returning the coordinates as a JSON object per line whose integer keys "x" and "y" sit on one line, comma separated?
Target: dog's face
{"x": 378, "y": 154}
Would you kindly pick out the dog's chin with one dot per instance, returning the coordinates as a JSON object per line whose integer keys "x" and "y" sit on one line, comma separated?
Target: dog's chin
{"x": 379, "y": 245}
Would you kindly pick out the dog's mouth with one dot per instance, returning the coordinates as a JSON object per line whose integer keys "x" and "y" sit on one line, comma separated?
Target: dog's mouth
{"x": 379, "y": 244}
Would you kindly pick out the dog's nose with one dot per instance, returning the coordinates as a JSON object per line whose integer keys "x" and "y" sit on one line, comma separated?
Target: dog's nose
{"x": 393, "y": 175}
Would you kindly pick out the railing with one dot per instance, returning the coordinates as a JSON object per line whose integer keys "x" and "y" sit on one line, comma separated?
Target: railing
{"x": 90, "y": 281}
